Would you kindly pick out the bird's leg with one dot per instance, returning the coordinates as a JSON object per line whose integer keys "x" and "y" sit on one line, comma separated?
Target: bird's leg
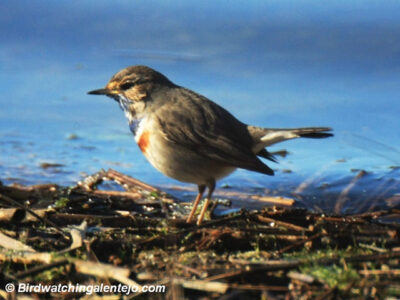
{"x": 196, "y": 202}
{"x": 211, "y": 187}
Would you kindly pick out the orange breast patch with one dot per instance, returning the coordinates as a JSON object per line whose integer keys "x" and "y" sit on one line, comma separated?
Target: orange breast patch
{"x": 144, "y": 141}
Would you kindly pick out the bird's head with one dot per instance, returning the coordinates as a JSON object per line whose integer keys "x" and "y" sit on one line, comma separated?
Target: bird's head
{"x": 132, "y": 87}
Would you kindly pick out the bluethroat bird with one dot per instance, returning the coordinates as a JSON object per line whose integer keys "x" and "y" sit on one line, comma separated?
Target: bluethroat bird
{"x": 188, "y": 137}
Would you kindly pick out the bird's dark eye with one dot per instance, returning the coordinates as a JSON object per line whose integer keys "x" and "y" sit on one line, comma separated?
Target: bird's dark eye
{"x": 126, "y": 85}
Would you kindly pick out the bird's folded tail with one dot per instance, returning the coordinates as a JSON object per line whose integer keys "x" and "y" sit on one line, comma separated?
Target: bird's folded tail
{"x": 313, "y": 132}
{"x": 270, "y": 136}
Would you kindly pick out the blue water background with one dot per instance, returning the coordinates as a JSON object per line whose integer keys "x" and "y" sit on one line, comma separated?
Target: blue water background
{"x": 271, "y": 63}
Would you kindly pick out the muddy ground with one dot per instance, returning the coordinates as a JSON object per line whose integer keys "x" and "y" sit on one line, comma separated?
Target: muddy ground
{"x": 136, "y": 236}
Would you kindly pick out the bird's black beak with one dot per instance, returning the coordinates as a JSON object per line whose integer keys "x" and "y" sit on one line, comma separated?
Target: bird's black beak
{"x": 100, "y": 92}
{"x": 107, "y": 92}
{"x": 103, "y": 91}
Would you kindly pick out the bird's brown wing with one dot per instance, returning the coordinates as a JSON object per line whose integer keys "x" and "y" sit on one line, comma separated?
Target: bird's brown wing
{"x": 206, "y": 128}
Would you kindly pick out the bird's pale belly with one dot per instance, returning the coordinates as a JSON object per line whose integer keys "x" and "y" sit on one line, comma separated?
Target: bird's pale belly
{"x": 175, "y": 161}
